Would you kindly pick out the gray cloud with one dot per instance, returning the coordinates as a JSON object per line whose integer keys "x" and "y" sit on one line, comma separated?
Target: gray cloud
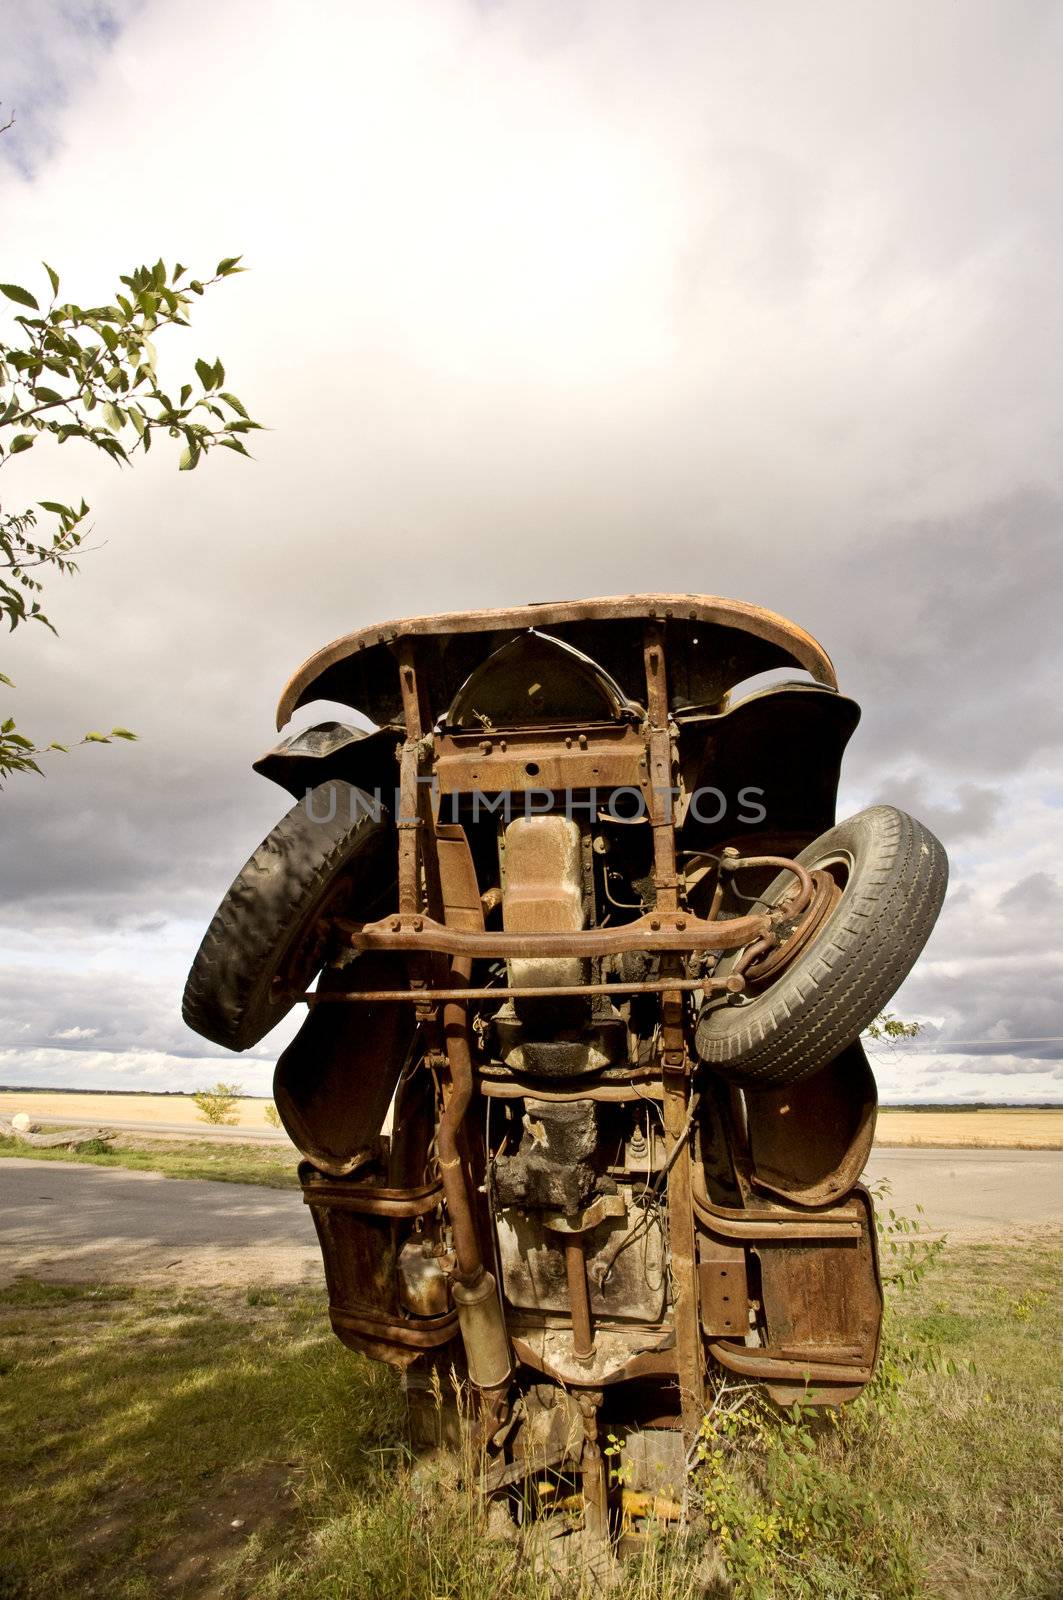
{"x": 1038, "y": 894}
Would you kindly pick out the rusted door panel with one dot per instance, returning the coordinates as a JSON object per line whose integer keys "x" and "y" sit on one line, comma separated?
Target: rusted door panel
{"x": 824, "y": 1299}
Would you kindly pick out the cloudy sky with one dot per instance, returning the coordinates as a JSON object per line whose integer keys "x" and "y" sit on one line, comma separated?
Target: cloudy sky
{"x": 549, "y": 298}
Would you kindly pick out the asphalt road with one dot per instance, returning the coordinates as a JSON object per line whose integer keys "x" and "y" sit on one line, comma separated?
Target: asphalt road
{"x": 169, "y": 1130}
{"x": 75, "y": 1223}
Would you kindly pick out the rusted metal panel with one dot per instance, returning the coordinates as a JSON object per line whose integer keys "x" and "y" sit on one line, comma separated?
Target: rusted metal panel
{"x": 724, "y": 1289}
{"x": 542, "y": 892}
{"x": 524, "y": 759}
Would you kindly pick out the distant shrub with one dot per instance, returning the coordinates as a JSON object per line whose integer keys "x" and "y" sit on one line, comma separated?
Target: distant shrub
{"x": 218, "y": 1105}
{"x": 273, "y": 1115}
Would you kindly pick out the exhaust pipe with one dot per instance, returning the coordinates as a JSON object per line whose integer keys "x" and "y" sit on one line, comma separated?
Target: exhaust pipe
{"x": 476, "y": 1298}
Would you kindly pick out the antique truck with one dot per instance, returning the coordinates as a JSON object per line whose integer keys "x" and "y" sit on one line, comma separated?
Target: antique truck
{"x": 574, "y": 923}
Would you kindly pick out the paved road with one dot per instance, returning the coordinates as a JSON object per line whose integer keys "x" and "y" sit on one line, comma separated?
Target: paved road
{"x": 972, "y": 1194}
{"x": 64, "y": 1221}
{"x": 169, "y": 1130}
{"x": 70, "y": 1222}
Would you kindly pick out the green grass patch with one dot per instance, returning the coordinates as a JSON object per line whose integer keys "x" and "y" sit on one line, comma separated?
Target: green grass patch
{"x": 269, "y": 1164}
{"x": 226, "y": 1445}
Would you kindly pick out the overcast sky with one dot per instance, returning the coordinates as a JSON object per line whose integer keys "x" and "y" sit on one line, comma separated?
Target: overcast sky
{"x": 549, "y": 298}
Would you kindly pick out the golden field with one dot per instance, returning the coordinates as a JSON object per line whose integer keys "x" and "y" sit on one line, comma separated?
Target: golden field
{"x": 152, "y": 1110}
{"x": 993, "y": 1130}
{"x": 1002, "y": 1129}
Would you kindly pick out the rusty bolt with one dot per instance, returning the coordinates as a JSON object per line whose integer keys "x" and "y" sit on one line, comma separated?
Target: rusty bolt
{"x": 583, "y": 741}
{"x": 655, "y": 924}
{"x": 681, "y": 924}
{"x": 418, "y": 924}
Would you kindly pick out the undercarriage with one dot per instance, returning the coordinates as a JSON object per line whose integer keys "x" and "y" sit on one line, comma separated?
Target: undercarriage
{"x": 580, "y": 1095}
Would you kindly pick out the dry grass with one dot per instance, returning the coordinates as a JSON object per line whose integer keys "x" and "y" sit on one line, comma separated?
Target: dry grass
{"x": 228, "y": 1448}
{"x": 272, "y": 1165}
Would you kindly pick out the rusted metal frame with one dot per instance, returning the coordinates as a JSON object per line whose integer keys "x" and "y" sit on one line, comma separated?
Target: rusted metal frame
{"x": 842, "y": 1221}
{"x": 708, "y": 609}
{"x": 425, "y": 1334}
{"x": 470, "y": 1267}
{"x": 659, "y": 752}
{"x": 593, "y": 1477}
{"x": 579, "y": 1300}
{"x": 765, "y": 1364}
{"x": 647, "y": 1364}
{"x": 509, "y": 1088}
{"x": 372, "y": 1200}
{"x": 415, "y": 821}
{"x": 550, "y": 991}
{"x": 674, "y": 1060}
{"x": 502, "y": 1474}
{"x": 676, "y": 932}
{"x": 683, "y": 1253}
{"x": 764, "y": 1230}
{"x": 416, "y": 847}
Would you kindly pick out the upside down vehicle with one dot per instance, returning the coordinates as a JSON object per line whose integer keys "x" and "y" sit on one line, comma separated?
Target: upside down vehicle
{"x": 573, "y": 921}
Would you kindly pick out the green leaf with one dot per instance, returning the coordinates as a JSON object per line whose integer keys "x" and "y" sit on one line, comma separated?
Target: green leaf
{"x": 21, "y": 441}
{"x": 123, "y": 733}
{"x": 237, "y": 405}
{"x": 21, "y": 297}
{"x": 218, "y": 374}
{"x": 51, "y": 395}
{"x": 205, "y": 374}
{"x": 59, "y": 510}
{"x": 189, "y": 460}
{"x": 113, "y": 417}
{"x": 228, "y": 264}
{"x": 234, "y": 444}
{"x": 53, "y": 276}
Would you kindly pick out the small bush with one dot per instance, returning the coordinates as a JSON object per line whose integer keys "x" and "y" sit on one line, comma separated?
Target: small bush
{"x": 218, "y": 1105}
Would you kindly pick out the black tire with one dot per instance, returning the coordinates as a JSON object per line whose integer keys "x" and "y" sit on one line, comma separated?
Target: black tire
{"x": 895, "y": 874}
{"x": 265, "y": 943}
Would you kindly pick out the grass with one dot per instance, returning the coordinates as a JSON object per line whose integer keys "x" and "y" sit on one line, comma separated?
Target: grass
{"x": 224, "y": 1445}
{"x": 272, "y": 1165}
